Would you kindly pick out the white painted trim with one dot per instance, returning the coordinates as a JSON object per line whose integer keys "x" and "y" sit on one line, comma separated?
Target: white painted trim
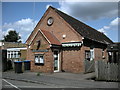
{"x": 45, "y": 37}
{"x": 92, "y": 50}
{"x": 58, "y": 61}
{"x": 16, "y": 49}
{"x": 35, "y": 36}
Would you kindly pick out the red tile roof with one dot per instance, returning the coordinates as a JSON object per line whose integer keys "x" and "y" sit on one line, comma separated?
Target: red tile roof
{"x": 52, "y": 39}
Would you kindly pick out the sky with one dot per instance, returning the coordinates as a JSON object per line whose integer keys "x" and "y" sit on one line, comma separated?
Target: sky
{"x": 23, "y": 16}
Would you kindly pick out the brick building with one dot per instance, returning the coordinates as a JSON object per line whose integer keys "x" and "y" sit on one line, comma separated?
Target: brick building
{"x": 113, "y": 52}
{"x": 59, "y": 42}
{"x": 11, "y": 51}
{"x": 14, "y": 50}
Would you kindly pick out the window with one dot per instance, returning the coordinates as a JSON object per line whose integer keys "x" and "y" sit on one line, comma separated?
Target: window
{"x": 11, "y": 54}
{"x": 89, "y": 54}
{"x": 17, "y": 56}
{"x": 103, "y": 54}
{"x": 8, "y": 54}
{"x": 39, "y": 60}
{"x": 14, "y": 54}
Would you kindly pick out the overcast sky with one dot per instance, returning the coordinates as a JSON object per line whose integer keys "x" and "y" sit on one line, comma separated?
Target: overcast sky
{"x": 23, "y": 17}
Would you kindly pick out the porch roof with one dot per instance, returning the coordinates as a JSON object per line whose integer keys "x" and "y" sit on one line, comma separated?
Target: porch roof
{"x": 50, "y": 37}
{"x": 52, "y": 40}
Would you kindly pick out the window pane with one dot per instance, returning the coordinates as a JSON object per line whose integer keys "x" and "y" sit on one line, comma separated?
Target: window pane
{"x": 8, "y": 55}
{"x": 87, "y": 55}
{"x": 36, "y": 59}
{"x": 16, "y": 54}
{"x": 41, "y": 59}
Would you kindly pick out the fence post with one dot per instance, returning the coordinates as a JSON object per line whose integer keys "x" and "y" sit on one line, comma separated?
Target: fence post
{"x": 106, "y": 70}
{"x": 96, "y": 69}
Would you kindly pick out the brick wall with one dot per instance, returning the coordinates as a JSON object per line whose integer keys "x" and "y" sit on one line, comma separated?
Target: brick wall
{"x": 58, "y": 28}
{"x": 48, "y": 63}
{"x": 23, "y": 54}
{"x": 98, "y": 54}
{"x": 48, "y": 56}
{"x": 44, "y": 43}
{"x": 73, "y": 59}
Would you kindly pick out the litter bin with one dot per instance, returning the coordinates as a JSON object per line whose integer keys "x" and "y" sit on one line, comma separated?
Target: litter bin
{"x": 26, "y": 64}
{"x": 18, "y": 66}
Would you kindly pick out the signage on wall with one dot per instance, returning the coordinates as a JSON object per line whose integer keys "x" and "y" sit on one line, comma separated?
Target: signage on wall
{"x": 43, "y": 50}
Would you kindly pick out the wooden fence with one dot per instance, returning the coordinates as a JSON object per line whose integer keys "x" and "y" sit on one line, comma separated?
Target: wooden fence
{"x": 106, "y": 71}
{"x": 89, "y": 66}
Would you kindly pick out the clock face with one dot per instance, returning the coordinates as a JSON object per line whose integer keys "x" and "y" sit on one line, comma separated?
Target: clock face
{"x": 50, "y": 21}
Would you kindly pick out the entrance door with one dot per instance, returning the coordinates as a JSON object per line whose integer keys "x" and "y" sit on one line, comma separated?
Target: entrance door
{"x": 56, "y": 61}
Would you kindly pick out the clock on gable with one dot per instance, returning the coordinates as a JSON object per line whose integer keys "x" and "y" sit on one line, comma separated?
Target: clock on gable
{"x": 50, "y": 21}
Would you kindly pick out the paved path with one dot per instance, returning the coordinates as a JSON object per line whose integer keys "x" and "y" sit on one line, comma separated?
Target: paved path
{"x": 67, "y": 80}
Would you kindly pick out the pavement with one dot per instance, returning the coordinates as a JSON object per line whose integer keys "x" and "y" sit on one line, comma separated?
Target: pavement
{"x": 67, "y": 80}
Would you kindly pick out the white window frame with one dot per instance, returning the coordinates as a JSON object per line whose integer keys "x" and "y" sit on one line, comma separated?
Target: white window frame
{"x": 92, "y": 54}
{"x": 103, "y": 53}
{"x": 40, "y": 61}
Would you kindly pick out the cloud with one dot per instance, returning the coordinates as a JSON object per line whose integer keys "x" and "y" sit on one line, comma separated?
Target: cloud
{"x": 115, "y": 22}
{"x": 24, "y": 27}
{"x": 102, "y": 30}
{"x": 89, "y": 10}
{"x": 112, "y": 27}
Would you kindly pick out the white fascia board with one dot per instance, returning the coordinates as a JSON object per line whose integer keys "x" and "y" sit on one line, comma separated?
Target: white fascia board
{"x": 16, "y": 49}
{"x": 45, "y": 37}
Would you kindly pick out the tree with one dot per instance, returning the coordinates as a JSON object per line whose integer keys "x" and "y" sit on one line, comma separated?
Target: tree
{"x": 12, "y": 36}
